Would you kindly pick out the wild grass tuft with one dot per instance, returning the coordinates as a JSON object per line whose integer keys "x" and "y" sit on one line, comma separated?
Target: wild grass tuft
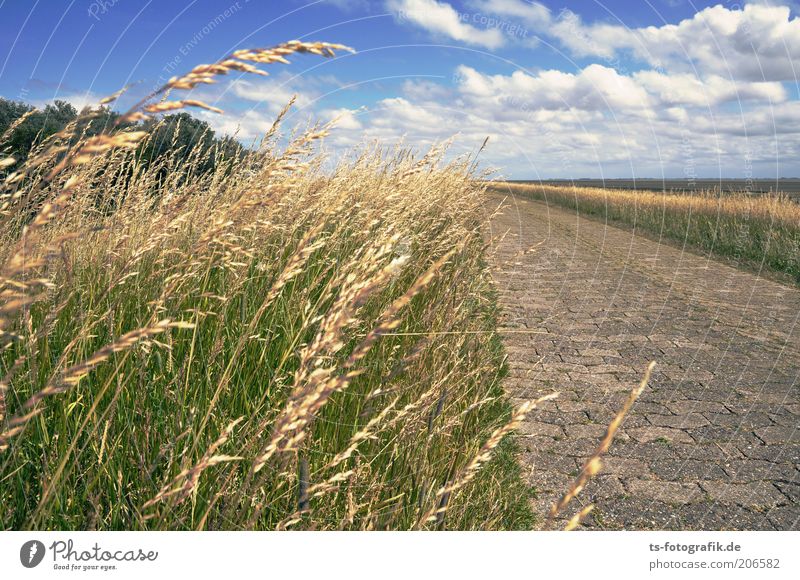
{"x": 269, "y": 345}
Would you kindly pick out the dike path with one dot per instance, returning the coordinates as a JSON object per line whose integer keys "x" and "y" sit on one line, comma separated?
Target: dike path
{"x": 713, "y": 442}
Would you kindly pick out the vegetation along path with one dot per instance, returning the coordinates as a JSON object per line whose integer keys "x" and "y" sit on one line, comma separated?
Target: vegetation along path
{"x": 713, "y": 442}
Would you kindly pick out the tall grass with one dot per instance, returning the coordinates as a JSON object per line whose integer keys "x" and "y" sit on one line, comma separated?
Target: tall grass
{"x": 756, "y": 230}
{"x": 266, "y": 346}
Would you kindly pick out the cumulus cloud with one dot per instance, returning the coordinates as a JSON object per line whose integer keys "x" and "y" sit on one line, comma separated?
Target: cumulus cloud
{"x": 757, "y": 42}
{"x": 594, "y": 121}
{"x": 598, "y": 87}
{"x": 245, "y": 125}
{"x": 706, "y": 95}
{"x": 442, "y": 19}
{"x": 79, "y": 100}
{"x": 688, "y": 89}
{"x": 251, "y": 105}
{"x": 346, "y": 119}
{"x": 272, "y": 94}
{"x": 558, "y": 124}
{"x": 595, "y": 88}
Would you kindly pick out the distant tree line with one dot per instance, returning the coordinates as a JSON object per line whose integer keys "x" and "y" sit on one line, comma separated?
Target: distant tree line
{"x": 179, "y": 134}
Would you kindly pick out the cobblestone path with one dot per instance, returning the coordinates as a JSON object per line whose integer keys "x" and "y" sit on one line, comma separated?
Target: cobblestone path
{"x": 713, "y": 442}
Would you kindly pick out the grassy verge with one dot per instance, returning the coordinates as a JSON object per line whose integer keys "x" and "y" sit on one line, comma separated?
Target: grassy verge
{"x": 756, "y": 231}
{"x": 268, "y": 345}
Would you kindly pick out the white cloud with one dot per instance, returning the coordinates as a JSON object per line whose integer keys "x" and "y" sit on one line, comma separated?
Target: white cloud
{"x": 710, "y": 99}
{"x": 687, "y": 89}
{"x": 755, "y": 43}
{"x": 246, "y": 125}
{"x": 442, "y": 19}
{"x": 595, "y": 88}
{"x": 557, "y": 124}
{"x": 424, "y": 89}
{"x": 251, "y": 105}
{"x": 270, "y": 93}
{"x": 405, "y": 113}
{"x": 346, "y": 119}
{"x": 595, "y": 121}
{"x": 79, "y": 100}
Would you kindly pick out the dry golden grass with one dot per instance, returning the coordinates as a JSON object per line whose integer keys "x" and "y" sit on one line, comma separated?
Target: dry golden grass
{"x": 269, "y": 345}
{"x": 757, "y": 230}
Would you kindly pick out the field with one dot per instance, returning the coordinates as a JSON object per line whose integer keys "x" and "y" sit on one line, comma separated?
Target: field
{"x": 264, "y": 346}
{"x": 760, "y": 232}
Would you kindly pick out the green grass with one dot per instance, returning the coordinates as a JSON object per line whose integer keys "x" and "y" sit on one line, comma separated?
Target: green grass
{"x": 127, "y": 446}
{"x": 265, "y": 345}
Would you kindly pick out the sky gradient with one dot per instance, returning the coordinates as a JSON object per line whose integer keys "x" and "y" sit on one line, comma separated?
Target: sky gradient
{"x": 575, "y": 89}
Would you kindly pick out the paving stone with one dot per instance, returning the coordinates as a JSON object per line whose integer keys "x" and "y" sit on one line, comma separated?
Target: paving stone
{"x": 644, "y": 407}
{"x": 776, "y": 399}
{"x": 747, "y": 470}
{"x": 589, "y": 431}
{"x": 785, "y": 419}
{"x": 606, "y": 383}
{"x": 747, "y": 406}
{"x": 670, "y": 492}
{"x": 602, "y": 487}
{"x": 714, "y": 516}
{"x": 540, "y": 461}
{"x": 757, "y": 494}
{"x": 689, "y": 375}
{"x": 581, "y": 448}
{"x": 565, "y": 419}
{"x": 794, "y": 409}
{"x": 723, "y": 435}
{"x": 779, "y": 434}
{"x": 790, "y": 488}
{"x": 630, "y": 513}
{"x": 747, "y": 422}
{"x": 647, "y": 434}
{"x": 584, "y": 361}
{"x": 611, "y": 368}
{"x": 571, "y": 406}
{"x": 537, "y": 428}
{"x": 626, "y": 467}
{"x": 774, "y": 453}
{"x": 687, "y": 470}
{"x": 678, "y": 421}
{"x": 785, "y": 517}
{"x": 685, "y": 407}
{"x": 602, "y": 352}
{"x": 653, "y": 450}
{"x": 550, "y": 484}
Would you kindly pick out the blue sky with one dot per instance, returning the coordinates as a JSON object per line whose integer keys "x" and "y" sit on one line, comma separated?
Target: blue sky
{"x": 569, "y": 89}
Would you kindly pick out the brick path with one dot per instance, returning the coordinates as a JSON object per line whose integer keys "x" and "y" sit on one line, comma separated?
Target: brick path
{"x": 713, "y": 443}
